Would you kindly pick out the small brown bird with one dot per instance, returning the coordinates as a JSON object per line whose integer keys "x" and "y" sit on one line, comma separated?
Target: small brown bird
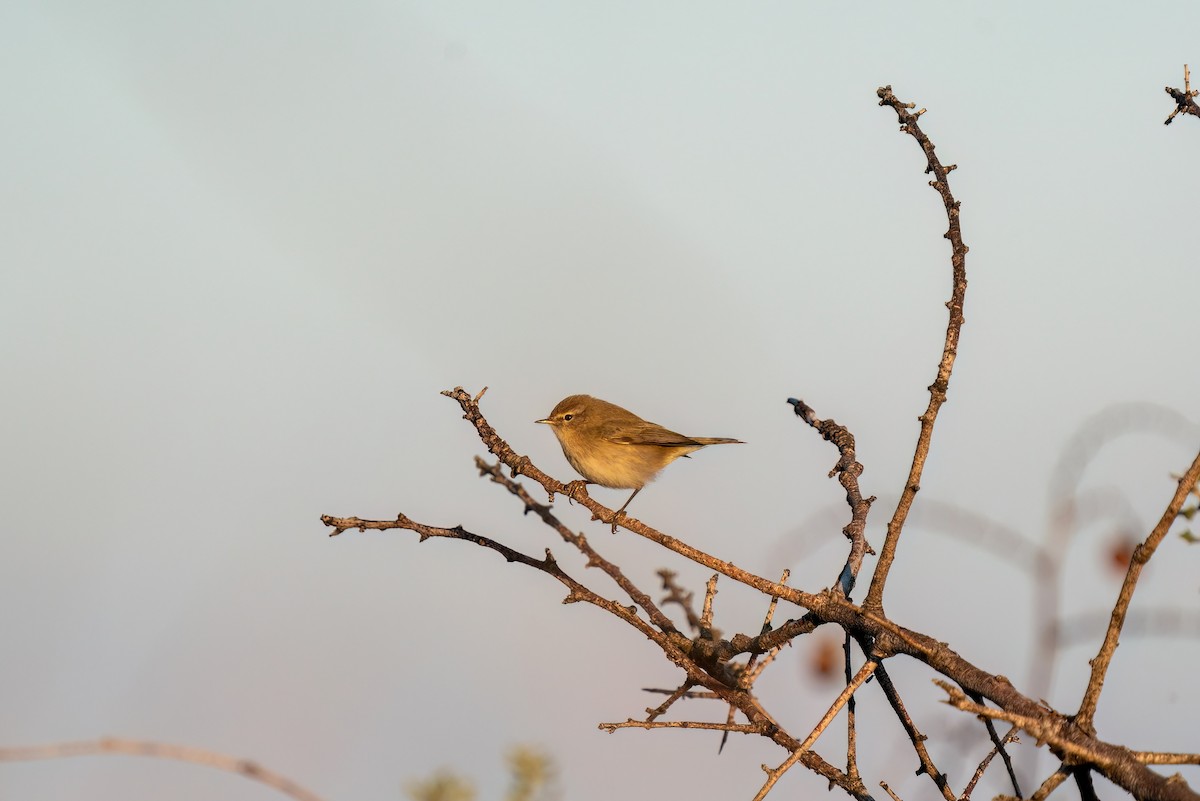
{"x": 615, "y": 448}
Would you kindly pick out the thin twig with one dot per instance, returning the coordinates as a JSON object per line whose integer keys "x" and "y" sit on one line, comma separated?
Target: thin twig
{"x": 679, "y": 596}
{"x": 851, "y": 731}
{"x": 681, "y": 691}
{"x": 696, "y": 694}
{"x": 997, "y": 748}
{"x": 1185, "y": 101}
{"x": 699, "y": 664}
{"x": 1052, "y": 783}
{"x": 195, "y": 756}
{"x": 1141, "y": 555}
{"x": 1069, "y": 510}
{"x": 741, "y": 728}
{"x": 706, "y": 616}
{"x": 998, "y": 743}
{"x": 844, "y": 697}
{"x": 940, "y": 385}
{"x": 1071, "y": 744}
{"x": 752, "y": 671}
{"x": 774, "y": 775}
{"x": 704, "y": 661}
{"x": 594, "y": 559}
{"x": 729, "y": 717}
{"x": 847, "y": 469}
{"x": 915, "y": 737}
{"x": 753, "y": 667}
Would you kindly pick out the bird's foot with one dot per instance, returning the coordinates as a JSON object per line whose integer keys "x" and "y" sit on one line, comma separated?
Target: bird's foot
{"x": 575, "y": 487}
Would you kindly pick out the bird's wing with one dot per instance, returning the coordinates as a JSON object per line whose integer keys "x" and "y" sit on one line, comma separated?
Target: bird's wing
{"x": 648, "y": 434}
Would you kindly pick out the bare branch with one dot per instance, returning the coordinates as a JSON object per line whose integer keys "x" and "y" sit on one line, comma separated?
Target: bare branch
{"x": 1185, "y": 101}
{"x": 681, "y": 691}
{"x": 195, "y": 756}
{"x": 740, "y": 728}
{"x": 914, "y": 736}
{"x": 997, "y": 748}
{"x": 774, "y": 775}
{"x": 594, "y": 559}
{"x": 706, "y": 616}
{"x": 698, "y": 658}
{"x": 847, "y": 469}
{"x": 1070, "y": 743}
{"x": 1051, "y": 784}
{"x": 752, "y": 669}
{"x": 679, "y": 596}
{"x": 1141, "y": 555}
{"x": 1155, "y": 758}
{"x": 851, "y": 727}
{"x": 707, "y": 660}
{"x": 940, "y": 385}
{"x": 998, "y": 743}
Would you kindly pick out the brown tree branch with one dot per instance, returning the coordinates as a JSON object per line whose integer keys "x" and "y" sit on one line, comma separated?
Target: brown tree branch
{"x": 706, "y": 659}
{"x": 1062, "y": 735}
{"x": 851, "y": 714}
{"x": 998, "y": 744}
{"x": 653, "y": 713}
{"x": 1185, "y": 100}
{"x": 740, "y": 728}
{"x": 1141, "y": 555}
{"x": 915, "y": 737}
{"x": 1051, "y": 784}
{"x": 180, "y": 753}
{"x": 707, "y": 662}
{"x": 594, "y": 559}
{"x": 843, "y": 698}
{"x": 847, "y": 469}
{"x": 983, "y": 766}
{"x": 940, "y": 385}
{"x": 680, "y": 597}
{"x": 753, "y": 670}
{"x": 697, "y": 658}
{"x": 521, "y": 465}
{"x": 706, "y": 613}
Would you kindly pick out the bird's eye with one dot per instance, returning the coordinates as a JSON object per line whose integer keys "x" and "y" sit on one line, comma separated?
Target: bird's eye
{"x": 568, "y": 416}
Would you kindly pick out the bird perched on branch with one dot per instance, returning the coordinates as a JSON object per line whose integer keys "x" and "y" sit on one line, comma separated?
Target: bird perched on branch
{"x": 615, "y": 448}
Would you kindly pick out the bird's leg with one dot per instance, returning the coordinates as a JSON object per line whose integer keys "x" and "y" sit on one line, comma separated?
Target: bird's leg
{"x": 621, "y": 512}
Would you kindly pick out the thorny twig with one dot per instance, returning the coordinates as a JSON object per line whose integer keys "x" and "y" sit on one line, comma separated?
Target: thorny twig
{"x": 1141, "y": 555}
{"x": 940, "y": 385}
{"x": 1185, "y": 100}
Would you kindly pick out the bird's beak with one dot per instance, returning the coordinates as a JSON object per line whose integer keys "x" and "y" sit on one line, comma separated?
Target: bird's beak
{"x": 547, "y": 422}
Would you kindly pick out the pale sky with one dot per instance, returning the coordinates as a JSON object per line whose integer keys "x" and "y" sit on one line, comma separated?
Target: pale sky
{"x": 245, "y": 245}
